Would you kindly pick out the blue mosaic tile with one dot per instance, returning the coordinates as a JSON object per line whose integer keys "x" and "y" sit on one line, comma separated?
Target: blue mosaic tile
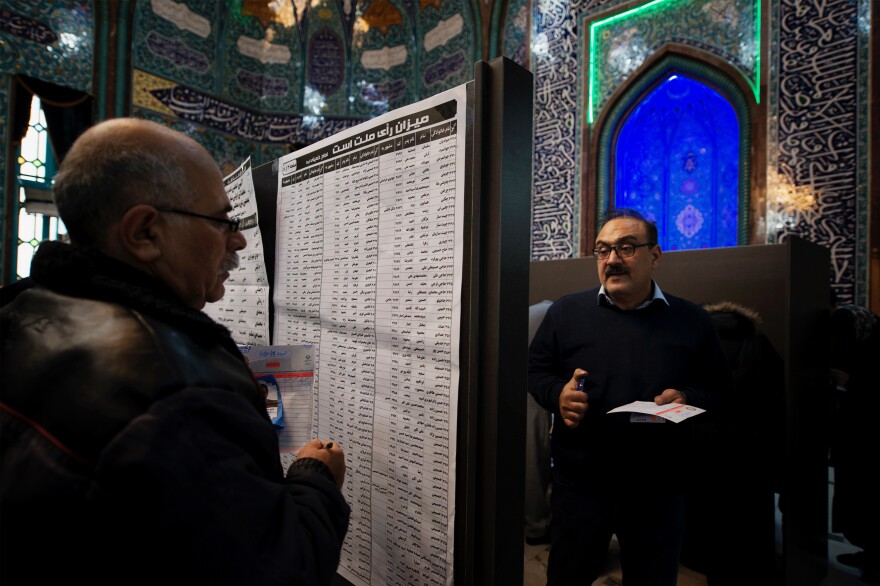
{"x": 178, "y": 41}
{"x": 261, "y": 62}
{"x": 52, "y": 41}
{"x": 446, "y": 39}
{"x": 818, "y": 142}
{"x": 515, "y": 42}
{"x": 383, "y": 58}
{"x": 326, "y": 81}
{"x": 556, "y": 164}
{"x": 726, "y": 29}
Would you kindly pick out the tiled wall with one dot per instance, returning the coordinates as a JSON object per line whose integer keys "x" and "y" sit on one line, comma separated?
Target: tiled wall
{"x": 816, "y": 111}
{"x": 262, "y": 75}
{"x": 247, "y": 81}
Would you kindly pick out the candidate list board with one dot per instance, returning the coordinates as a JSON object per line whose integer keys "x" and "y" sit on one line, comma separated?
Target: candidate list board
{"x": 368, "y": 267}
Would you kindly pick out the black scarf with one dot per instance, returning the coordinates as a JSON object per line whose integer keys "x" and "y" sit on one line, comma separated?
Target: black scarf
{"x": 84, "y": 272}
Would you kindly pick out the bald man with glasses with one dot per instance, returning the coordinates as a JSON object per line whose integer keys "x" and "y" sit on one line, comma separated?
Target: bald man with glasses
{"x": 136, "y": 446}
{"x": 622, "y": 473}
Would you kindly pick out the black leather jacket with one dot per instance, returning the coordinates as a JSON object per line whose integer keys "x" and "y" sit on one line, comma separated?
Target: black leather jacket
{"x": 136, "y": 447}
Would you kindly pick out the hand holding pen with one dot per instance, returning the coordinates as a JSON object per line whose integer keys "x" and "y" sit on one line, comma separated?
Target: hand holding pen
{"x": 328, "y": 452}
{"x": 573, "y": 400}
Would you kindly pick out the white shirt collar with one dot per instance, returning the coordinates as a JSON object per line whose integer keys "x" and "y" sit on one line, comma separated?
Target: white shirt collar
{"x": 657, "y": 294}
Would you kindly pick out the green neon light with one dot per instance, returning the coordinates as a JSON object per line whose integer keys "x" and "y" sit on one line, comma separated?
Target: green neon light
{"x": 756, "y": 88}
{"x": 592, "y": 74}
{"x": 595, "y": 26}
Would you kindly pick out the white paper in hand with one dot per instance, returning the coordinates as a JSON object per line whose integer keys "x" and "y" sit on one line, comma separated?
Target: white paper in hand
{"x": 674, "y": 412}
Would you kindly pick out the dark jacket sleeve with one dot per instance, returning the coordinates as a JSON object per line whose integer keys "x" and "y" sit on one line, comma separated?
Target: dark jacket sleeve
{"x": 545, "y": 376}
{"x": 202, "y": 468}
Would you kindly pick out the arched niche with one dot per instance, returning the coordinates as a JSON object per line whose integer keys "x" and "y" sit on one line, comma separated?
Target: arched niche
{"x": 714, "y": 74}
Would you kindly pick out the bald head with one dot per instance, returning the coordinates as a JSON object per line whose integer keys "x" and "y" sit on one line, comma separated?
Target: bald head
{"x": 152, "y": 198}
{"x": 118, "y": 164}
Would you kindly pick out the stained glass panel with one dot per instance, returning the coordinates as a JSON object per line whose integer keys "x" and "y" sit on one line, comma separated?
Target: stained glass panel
{"x": 35, "y": 166}
{"x": 676, "y": 160}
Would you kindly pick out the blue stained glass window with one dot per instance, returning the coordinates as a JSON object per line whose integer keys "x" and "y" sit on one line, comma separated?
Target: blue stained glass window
{"x": 676, "y": 160}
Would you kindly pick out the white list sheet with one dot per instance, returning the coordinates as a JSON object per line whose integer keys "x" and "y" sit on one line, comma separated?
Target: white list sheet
{"x": 244, "y": 308}
{"x": 368, "y": 268}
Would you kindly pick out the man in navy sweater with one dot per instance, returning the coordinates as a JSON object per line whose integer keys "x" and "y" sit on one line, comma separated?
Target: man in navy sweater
{"x": 622, "y": 473}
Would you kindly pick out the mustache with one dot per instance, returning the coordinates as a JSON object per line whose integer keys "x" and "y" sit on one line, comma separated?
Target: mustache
{"x": 230, "y": 263}
{"x": 615, "y": 270}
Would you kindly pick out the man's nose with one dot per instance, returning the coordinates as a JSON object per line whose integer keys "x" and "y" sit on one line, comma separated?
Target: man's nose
{"x": 237, "y": 241}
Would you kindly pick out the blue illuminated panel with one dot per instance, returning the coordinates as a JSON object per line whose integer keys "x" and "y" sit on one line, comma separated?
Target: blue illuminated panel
{"x": 676, "y": 160}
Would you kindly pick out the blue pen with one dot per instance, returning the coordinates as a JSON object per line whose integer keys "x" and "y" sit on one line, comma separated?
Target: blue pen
{"x": 581, "y": 384}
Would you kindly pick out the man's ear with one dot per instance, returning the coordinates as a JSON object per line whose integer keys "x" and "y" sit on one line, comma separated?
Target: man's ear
{"x": 656, "y": 252}
{"x": 139, "y": 234}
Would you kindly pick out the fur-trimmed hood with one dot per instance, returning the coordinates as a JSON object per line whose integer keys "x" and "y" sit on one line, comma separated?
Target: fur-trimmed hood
{"x": 733, "y": 318}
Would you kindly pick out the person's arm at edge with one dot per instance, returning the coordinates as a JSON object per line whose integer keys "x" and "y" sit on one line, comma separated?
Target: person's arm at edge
{"x": 544, "y": 374}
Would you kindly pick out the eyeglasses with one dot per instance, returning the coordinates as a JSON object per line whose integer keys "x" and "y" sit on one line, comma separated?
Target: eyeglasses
{"x": 622, "y": 250}
{"x": 234, "y": 225}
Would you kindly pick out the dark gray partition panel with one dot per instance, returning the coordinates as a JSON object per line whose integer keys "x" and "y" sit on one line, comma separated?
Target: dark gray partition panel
{"x": 489, "y": 532}
{"x": 807, "y": 311}
{"x": 788, "y": 284}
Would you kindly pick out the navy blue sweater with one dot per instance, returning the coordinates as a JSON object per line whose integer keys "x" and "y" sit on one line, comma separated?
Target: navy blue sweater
{"x": 630, "y": 356}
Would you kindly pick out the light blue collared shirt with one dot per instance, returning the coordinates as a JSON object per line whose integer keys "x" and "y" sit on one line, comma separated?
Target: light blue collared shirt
{"x": 658, "y": 294}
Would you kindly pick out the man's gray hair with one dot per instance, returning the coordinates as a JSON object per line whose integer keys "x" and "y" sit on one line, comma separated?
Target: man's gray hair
{"x": 615, "y": 213}
{"x": 101, "y": 180}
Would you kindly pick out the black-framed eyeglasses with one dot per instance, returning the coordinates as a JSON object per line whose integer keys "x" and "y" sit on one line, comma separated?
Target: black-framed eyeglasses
{"x": 234, "y": 225}
{"x": 623, "y": 250}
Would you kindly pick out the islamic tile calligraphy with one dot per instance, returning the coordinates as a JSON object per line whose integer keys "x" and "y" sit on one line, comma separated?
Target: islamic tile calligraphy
{"x": 261, "y": 64}
{"x": 52, "y": 41}
{"x": 444, "y": 68}
{"x": 556, "y": 163}
{"x": 26, "y": 28}
{"x": 177, "y": 52}
{"x": 819, "y": 142}
{"x": 177, "y": 40}
{"x": 383, "y": 63}
{"x": 195, "y": 106}
{"x": 447, "y": 40}
{"x": 326, "y": 61}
